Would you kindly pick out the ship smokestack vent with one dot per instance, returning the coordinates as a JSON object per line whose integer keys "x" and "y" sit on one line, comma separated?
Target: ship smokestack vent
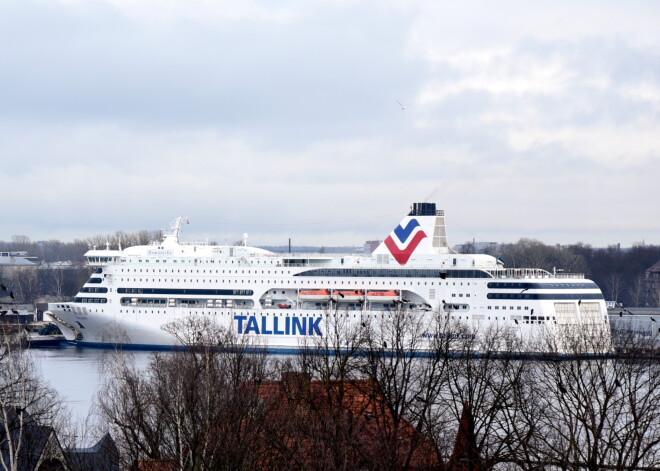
{"x": 422, "y": 209}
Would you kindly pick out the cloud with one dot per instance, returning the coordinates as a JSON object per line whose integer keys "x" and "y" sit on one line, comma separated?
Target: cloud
{"x": 258, "y": 73}
{"x": 281, "y": 119}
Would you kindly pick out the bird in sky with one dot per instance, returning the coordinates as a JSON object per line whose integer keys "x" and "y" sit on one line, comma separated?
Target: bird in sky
{"x": 403, "y": 107}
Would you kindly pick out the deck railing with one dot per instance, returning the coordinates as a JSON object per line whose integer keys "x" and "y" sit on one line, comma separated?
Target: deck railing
{"x": 521, "y": 273}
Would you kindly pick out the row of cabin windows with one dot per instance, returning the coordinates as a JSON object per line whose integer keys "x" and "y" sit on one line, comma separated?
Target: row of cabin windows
{"x": 555, "y": 296}
{"x": 312, "y": 282}
{"x": 183, "y": 302}
{"x": 364, "y": 272}
{"x": 153, "y": 270}
{"x": 419, "y": 283}
{"x": 394, "y": 273}
{"x": 195, "y": 261}
{"x": 102, "y": 259}
{"x": 527, "y": 285}
{"x": 455, "y": 307}
{"x": 90, "y": 300}
{"x": 190, "y": 291}
{"x": 93, "y": 289}
{"x": 278, "y": 314}
{"x": 510, "y": 307}
{"x": 524, "y": 320}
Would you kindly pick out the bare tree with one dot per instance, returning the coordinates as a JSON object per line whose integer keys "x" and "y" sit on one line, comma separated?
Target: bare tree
{"x": 331, "y": 421}
{"x": 614, "y": 285}
{"x": 57, "y": 277}
{"x": 25, "y": 283}
{"x": 333, "y": 356}
{"x": 196, "y": 408}
{"x": 124, "y": 239}
{"x": 29, "y": 409}
{"x": 654, "y": 294}
{"x": 583, "y": 410}
{"x": 21, "y": 243}
{"x": 569, "y": 261}
{"x": 637, "y": 292}
{"x": 409, "y": 385}
{"x": 527, "y": 253}
{"x": 482, "y": 379}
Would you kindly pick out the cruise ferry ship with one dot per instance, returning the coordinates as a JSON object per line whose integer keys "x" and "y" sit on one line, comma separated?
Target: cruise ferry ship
{"x": 285, "y": 302}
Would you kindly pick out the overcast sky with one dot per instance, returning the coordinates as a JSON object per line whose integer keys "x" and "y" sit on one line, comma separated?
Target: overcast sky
{"x": 280, "y": 119}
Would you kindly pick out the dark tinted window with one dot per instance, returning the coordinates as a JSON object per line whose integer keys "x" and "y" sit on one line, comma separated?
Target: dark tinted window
{"x": 555, "y": 296}
{"x": 202, "y": 292}
{"x": 394, "y": 273}
{"x": 527, "y": 285}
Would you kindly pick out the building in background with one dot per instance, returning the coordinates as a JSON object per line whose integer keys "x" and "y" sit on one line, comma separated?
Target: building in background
{"x": 652, "y": 284}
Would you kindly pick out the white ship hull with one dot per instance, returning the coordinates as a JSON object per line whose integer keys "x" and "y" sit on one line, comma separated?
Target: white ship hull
{"x": 138, "y": 292}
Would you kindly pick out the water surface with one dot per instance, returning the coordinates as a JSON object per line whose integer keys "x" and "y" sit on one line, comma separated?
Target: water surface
{"x": 77, "y": 373}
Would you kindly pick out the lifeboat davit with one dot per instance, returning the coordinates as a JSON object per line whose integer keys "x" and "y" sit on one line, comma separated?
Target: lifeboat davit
{"x": 314, "y": 294}
{"x": 383, "y": 296}
{"x": 347, "y": 296}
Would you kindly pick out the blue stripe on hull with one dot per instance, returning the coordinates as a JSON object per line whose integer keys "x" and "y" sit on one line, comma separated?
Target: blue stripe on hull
{"x": 316, "y": 351}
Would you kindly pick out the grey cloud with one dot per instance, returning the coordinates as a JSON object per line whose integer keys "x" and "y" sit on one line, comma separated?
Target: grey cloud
{"x": 333, "y": 69}
{"x": 118, "y": 121}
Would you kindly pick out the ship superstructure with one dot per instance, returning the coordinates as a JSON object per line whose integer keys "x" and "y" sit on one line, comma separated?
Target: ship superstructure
{"x": 283, "y": 301}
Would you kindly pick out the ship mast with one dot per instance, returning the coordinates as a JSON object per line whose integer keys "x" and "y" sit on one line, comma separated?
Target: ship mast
{"x": 175, "y": 226}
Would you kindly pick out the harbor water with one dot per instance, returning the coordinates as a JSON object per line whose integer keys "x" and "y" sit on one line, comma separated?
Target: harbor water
{"x": 78, "y": 373}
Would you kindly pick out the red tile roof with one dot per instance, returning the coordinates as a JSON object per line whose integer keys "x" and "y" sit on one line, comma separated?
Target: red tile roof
{"x": 318, "y": 421}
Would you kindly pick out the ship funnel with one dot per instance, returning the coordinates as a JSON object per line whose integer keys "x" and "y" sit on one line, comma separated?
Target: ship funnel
{"x": 440, "y": 233}
{"x": 421, "y": 232}
{"x": 422, "y": 209}
{"x": 439, "y": 241}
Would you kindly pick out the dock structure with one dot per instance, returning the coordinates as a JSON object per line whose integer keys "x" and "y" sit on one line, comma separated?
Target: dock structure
{"x": 641, "y": 325}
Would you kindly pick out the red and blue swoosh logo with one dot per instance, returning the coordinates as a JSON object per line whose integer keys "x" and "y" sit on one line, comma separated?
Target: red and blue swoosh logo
{"x": 408, "y": 243}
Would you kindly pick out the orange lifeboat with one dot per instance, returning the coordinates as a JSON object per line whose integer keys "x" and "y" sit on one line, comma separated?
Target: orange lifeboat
{"x": 383, "y": 296}
{"x": 348, "y": 296}
{"x": 314, "y": 294}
